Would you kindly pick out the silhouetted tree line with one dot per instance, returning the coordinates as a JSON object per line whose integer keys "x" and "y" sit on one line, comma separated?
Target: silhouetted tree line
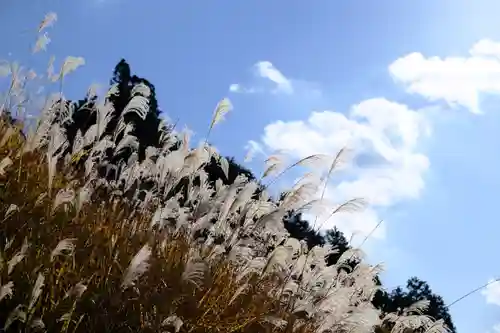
{"x": 147, "y": 131}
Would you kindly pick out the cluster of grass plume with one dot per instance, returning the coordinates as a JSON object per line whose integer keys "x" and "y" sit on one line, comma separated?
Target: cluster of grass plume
{"x": 84, "y": 258}
{"x": 80, "y": 252}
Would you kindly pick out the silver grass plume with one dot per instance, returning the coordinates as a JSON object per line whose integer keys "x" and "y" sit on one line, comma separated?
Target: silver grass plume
{"x": 37, "y": 324}
{"x": 18, "y": 314}
{"x": 71, "y": 64}
{"x": 138, "y": 105}
{"x": 18, "y": 256}
{"x": 42, "y": 42}
{"x": 11, "y": 211}
{"x": 6, "y": 291}
{"x": 138, "y": 266}
{"x": 37, "y": 291}
{"x": 224, "y": 164}
{"x": 76, "y": 291}
{"x": 222, "y": 108}
{"x": 173, "y": 320}
{"x": 65, "y": 246}
{"x": 49, "y": 19}
{"x": 274, "y": 164}
{"x": 63, "y": 196}
{"x": 194, "y": 272}
{"x": 57, "y": 145}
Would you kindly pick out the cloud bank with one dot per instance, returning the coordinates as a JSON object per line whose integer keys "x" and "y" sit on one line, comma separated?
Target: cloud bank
{"x": 459, "y": 81}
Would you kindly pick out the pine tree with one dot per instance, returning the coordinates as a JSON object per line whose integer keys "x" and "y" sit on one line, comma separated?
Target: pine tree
{"x": 300, "y": 229}
{"x": 416, "y": 290}
{"x": 134, "y": 104}
{"x": 336, "y": 238}
{"x": 215, "y": 172}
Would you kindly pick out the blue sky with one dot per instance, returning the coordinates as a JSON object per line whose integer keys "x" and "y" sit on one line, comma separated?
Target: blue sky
{"x": 406, "y": 84}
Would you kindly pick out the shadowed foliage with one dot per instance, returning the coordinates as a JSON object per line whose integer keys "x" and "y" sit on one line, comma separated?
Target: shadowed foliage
{"x": 146, "y": 128}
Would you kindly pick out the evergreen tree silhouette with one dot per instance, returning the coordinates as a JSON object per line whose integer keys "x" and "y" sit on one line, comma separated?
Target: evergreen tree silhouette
{"x": 215, "y": 172}
{"x": 416, "y": 290}
{"x": 336, "y": 238}
{"x": 146, "y": 130}
{"x": 301, "y": 229}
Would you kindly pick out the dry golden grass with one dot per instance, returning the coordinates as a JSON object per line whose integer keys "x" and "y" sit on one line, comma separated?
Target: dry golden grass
{"x": 105, "y": 243}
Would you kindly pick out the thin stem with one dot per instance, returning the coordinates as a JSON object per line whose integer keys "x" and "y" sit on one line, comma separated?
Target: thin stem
{"x": 7, "y": 96}
{"x": 472, "y": 292}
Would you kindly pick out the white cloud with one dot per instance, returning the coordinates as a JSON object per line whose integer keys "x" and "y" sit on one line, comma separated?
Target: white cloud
{"x": 235, "y": 87}
{"x": 386, "y": 165}
{"x": 492, "y": 293}
{"x": 238, "y": 88}
{"x": 457, "y": 80}
{"x": 265, "y": 70}
{"x": 253, "y": 148}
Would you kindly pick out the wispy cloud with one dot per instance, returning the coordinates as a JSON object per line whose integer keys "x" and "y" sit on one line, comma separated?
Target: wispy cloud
{"x": 238, "y": 88}
{"x": 235, "y": 87}
{"x": 492, "y": 292}
{"x": 458, "y": 81}
{"x": 267, "y": 71}
{"x": 253, "y": 148}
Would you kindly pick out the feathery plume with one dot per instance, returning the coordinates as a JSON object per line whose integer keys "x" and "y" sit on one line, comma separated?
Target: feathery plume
{"x": 63, "y": 196}
{"x": 41, "y": 43}
{"x": 17, "y": 314}
{"x": 194, "y": 271}
{"x": 76, "y": 291}
{"x": 37, "y": 291}
{"x": 11, "y": 210}
{"x": 222, "y": 108}
{"x": 138, "y": 266}
{"x": 6, "y": 290}
{"x": 65, "y": 246}
{"x": 18, "y": 257}
{"x": 49, "y": 20}
{"x": 174, "y": 321}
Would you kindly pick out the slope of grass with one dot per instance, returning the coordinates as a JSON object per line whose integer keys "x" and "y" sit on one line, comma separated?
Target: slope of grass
{"x": 82, "y": 257}
{"x": 153, "y": 246}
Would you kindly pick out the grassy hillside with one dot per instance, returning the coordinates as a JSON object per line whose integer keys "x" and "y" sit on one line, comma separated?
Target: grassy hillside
{"x": 100, "y": 233}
